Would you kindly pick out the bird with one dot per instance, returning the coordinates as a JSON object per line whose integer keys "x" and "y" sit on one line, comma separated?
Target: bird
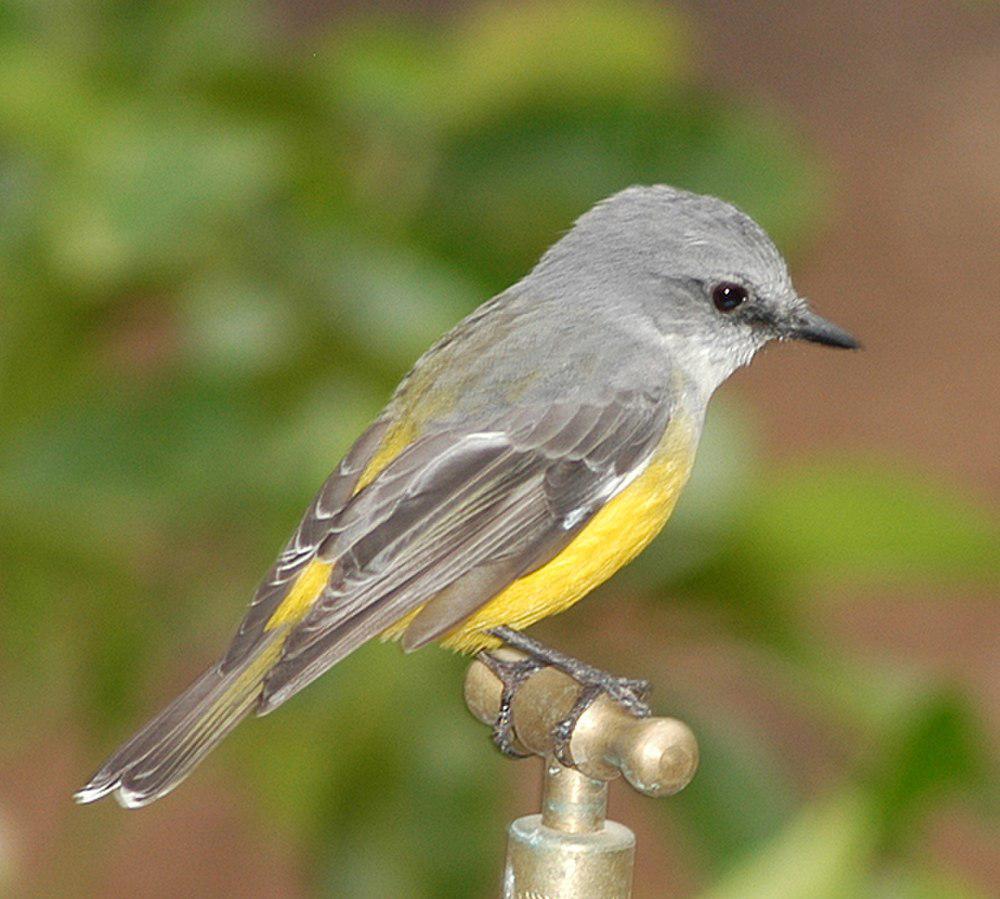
{"x": 530, "y": 453}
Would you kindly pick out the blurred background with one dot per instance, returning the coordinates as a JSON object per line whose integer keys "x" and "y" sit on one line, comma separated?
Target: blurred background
{"x": 228, "y": 228}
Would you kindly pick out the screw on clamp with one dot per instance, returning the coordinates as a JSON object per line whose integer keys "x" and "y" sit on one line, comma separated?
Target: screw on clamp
{"x": 570, "y": 850}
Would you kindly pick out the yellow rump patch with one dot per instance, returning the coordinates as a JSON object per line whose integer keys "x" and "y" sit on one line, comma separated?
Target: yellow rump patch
{"x": 307, "y": 587}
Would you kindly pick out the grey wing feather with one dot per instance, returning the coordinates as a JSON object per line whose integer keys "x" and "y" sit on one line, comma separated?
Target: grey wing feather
{"x": 457, "y": 517}
{"x": 301, "y": 547}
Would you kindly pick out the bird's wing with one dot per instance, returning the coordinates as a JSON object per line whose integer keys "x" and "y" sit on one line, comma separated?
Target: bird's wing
{"x": 458, "y": 516}
{"x": 301, "y": 547}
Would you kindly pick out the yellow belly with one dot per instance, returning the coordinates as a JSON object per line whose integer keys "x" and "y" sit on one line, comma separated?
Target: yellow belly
{"x": 615, "y": 536}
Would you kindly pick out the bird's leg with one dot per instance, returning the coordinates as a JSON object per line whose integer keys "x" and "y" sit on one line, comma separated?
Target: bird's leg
{"x": 510, "y": 673}
{"x": 628, "y": 693}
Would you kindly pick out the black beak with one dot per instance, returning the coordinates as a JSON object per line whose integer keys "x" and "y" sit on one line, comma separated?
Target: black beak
{"x": 812, "y": 327}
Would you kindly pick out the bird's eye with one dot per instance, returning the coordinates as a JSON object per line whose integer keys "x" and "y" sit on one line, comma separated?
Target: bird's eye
{"x": 727, "y": 296}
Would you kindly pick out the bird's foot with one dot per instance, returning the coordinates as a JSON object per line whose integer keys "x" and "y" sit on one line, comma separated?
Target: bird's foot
{"x": 629, "y": 693}
{"x": 510, "y": 673}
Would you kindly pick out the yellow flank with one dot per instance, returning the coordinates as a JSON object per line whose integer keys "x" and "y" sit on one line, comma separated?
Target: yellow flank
{"x": 615, "y": 536}
{"x": 303, "y": 594}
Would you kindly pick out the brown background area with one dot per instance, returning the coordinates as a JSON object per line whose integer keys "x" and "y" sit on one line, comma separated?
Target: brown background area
{"x": 902, "y": 100}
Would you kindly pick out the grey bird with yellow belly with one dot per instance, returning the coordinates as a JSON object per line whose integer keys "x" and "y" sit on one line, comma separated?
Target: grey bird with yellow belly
{"x": 529, "y": 454}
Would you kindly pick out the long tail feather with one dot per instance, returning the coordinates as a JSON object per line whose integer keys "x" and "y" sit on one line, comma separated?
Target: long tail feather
{"x": 164, "y": 752}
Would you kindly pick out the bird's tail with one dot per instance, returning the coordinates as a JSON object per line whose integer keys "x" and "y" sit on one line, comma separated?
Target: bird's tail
{"x": 163, "y": 753}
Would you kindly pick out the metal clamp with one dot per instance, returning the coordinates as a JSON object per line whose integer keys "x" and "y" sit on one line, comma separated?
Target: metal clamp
{"x": 570, "y": 850}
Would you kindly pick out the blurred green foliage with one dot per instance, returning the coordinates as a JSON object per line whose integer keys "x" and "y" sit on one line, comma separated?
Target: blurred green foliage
{"x": 222, "y": 241}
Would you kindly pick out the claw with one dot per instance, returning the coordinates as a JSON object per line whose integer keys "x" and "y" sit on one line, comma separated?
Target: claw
{"x": 629, "y": 694}
{"x": 562, "y": 733}
{"x": 511, "y": 674}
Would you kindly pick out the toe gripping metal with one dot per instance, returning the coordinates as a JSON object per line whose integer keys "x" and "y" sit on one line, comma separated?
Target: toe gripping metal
{"x": 630, "y": 695}
{"x": 511, "y": 673}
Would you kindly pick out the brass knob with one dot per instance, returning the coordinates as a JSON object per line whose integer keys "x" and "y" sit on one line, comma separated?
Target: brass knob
{"x": 657, "y": 756}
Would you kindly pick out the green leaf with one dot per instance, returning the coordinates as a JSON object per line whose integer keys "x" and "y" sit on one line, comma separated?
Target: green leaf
{"x": 153, "y": 188}
{"x": 741, "y": 796}
{"x": 504, "y": 56}
{"x": 386, "y": 776}
{"x": 863, "y": 520}
{"x": 918, "y": 881}
{"x": 846, "y": 521}
{"x": 824, "y": 853}
{"x": 934, "y": 748}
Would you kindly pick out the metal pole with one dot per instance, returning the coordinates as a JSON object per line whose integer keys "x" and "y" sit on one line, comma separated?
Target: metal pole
{"x": 569, "y": 851}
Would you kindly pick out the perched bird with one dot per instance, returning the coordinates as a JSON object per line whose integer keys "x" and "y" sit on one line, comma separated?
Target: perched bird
{"x": 530, "y": 453}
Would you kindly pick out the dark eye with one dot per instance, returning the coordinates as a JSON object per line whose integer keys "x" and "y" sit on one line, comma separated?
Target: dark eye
{"x": 727, "y": 296}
